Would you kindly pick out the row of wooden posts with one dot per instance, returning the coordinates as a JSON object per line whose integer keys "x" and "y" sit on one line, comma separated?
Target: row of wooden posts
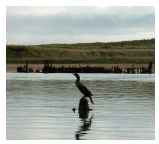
{"x": 50, "y": 68}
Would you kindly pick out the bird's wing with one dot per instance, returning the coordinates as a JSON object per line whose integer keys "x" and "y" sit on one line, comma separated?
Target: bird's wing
{"x": 83, "y": 89}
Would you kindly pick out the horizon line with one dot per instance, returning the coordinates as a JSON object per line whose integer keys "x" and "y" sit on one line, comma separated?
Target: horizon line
{"x": 85, "y": 42}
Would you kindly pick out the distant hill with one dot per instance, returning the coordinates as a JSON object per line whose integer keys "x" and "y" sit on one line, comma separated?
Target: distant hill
{"x": 127, "y": 52}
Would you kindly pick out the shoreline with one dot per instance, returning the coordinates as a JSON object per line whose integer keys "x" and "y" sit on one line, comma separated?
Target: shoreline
{"x": 39, "y": 67}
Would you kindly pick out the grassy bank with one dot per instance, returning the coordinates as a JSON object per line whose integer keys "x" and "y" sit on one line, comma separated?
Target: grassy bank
{"x": 126, "y": 52}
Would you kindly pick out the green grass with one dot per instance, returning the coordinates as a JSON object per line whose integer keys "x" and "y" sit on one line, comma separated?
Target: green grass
{"x": 137, "y": 51}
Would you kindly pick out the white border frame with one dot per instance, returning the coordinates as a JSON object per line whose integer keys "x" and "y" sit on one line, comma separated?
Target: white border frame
{"x": 55, "y": 3}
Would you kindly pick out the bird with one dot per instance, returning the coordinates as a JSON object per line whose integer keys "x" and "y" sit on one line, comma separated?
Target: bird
{"x": 82, "y": 88}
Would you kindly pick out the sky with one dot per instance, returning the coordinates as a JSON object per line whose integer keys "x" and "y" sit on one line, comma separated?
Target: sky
{"x": 42, "y": 25}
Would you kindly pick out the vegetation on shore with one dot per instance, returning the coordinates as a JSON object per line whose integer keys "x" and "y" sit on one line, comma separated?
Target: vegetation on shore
{"x": 126, "y": 52}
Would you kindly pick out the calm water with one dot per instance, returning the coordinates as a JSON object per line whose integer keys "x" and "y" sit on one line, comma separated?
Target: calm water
{"x": 39, "y": 106}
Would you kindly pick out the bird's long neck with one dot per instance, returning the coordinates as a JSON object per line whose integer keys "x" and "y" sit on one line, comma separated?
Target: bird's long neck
{"x": 77, "y": 80}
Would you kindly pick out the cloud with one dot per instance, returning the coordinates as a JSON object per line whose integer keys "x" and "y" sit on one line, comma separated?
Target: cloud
{"x": 29, "y": 25}
{"x": 34, "y": 11}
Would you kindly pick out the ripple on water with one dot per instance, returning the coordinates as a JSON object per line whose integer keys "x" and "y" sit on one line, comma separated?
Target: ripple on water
{"x": 40, "y": 107}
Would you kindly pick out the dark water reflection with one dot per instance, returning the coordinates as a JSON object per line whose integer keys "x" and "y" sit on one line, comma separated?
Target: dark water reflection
{"x": 84, "y": 127}
{"x": 40, "y": 107}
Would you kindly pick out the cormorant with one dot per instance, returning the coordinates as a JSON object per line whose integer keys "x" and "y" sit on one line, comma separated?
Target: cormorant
{"x": 83, "y": 89}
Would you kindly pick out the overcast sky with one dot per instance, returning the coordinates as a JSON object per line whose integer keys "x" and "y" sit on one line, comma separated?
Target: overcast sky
{"x": 37, "y": 25}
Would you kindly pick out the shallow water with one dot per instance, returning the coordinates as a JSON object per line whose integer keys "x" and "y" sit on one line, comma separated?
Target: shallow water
{"x": 39, "y": 106}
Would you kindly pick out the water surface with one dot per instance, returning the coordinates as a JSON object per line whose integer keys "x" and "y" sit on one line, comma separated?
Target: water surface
{"x": 39, "y": 106}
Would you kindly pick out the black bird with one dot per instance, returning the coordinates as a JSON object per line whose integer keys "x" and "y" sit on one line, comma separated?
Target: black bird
{"x": 83, "y": 89}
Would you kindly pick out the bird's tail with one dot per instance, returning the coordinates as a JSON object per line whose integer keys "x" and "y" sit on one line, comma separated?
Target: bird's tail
{"x": 91, "y": 99}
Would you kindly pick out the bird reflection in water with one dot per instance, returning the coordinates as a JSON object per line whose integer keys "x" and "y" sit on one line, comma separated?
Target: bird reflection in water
{"x": 84, "y": 127}
{"x": 85, "y": 119}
